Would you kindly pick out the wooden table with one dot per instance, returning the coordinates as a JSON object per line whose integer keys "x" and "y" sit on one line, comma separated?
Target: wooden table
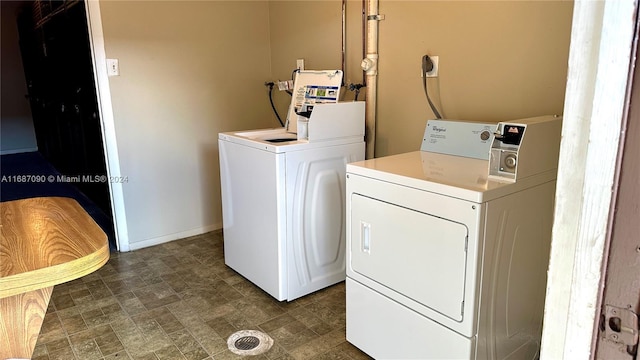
{"x": 44, "y": 242}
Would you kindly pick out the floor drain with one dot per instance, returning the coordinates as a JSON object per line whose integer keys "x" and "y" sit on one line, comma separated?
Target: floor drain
{"x": 249, "y": 342}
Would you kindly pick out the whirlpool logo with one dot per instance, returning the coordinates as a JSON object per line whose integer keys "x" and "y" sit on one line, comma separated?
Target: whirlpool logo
{"x": 438, "y": 129}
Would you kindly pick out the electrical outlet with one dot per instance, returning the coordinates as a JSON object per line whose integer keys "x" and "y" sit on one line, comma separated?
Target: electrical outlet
{"x": 300, "y": 64}
{"x": 434, "y": 71}
{"x": 113, "y": 69}
{"x": 285, "y": 85}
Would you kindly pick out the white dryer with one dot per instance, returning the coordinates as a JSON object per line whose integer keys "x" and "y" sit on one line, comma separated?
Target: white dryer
{"x": 447, "y": 251}
{"x": 283, "y": 192}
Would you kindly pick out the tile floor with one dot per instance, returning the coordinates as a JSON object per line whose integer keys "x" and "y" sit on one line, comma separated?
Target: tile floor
{"x": 180, "y": 301}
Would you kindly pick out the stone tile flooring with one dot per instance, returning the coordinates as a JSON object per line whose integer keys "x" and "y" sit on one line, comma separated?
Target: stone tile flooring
{"x": 180, "y": 301}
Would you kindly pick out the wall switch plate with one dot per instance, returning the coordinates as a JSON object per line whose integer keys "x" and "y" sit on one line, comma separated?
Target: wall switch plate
{"x": 434, "y": 71}
{"x": 113, "y": 69}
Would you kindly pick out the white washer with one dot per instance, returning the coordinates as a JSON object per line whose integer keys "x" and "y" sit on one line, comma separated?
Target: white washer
{"x": 283, "y": 201}
{"x": 443, "y": 262}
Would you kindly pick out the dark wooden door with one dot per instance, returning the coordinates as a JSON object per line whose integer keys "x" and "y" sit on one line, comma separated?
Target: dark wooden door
{"x": 55, "y": 48}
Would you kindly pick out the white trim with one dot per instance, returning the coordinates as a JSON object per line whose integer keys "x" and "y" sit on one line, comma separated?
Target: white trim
{"x": 167, "y": 238}
{"x": 601, "y": 43}
{"x": 105, "y": 107}
{"x": 18, "y": 151}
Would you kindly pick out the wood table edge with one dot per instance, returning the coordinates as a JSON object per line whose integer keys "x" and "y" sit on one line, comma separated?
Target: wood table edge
{"x": 56, "y": 274}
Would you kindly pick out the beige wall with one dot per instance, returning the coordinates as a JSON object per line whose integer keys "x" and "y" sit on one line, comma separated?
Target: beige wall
{"x": 312, "y": 30}
{"x": 188, "y": 70}
{"x": 499, "y": 60}
{"x": 192, "y": 69}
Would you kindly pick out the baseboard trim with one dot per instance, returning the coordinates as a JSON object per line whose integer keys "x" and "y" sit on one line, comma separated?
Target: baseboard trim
{"x": 167, "y": 238}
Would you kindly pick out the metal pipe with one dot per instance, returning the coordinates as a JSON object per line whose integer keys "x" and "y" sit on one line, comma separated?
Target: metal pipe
{"x": 344, "y": 40}
{"x": 364, "y": 37}
{"x": 370, "y": 66}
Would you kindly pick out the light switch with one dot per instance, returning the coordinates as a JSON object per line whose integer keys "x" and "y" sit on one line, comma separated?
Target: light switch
{"x": 113, "y": 69}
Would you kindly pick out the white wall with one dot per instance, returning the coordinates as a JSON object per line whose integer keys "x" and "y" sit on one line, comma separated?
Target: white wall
{"x": 188, "y": 70}
{"x": 16, "y": 122}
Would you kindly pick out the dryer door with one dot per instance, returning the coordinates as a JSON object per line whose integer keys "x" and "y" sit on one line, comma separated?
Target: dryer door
{"x": 418, "y": 255}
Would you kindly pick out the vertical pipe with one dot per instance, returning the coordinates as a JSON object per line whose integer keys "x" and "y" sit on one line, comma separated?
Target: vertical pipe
{"x": 370, "y": 66}
{"x": 364, "y": 37}
{"x": 344, "y": 40}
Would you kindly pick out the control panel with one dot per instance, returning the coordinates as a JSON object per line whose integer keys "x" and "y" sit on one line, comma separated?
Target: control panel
{"x": 459, "y": 138}
{"x": 525, "y": 147}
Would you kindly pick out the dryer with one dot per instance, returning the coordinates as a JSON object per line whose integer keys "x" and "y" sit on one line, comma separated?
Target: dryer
{"x": 447, "y": 247}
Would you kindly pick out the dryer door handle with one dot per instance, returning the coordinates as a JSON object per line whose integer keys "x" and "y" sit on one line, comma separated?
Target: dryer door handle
{"x": 365, "y": 236}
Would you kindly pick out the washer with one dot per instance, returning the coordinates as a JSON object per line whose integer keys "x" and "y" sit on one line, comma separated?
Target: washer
{"x": 446, "y": 252}
{"x": 283, "y": 191}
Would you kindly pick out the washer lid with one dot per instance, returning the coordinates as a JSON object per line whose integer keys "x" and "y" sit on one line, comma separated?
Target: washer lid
{"x": 279, "y": 140}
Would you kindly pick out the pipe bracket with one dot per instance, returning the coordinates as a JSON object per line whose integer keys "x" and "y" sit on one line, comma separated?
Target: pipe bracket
{"x": 377, "y": 17}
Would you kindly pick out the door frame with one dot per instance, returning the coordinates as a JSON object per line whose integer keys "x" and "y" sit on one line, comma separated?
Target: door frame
{"x": 594, "y": 111}
{"x": 619, "y": 298}
{"x": 105, "y": 109}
